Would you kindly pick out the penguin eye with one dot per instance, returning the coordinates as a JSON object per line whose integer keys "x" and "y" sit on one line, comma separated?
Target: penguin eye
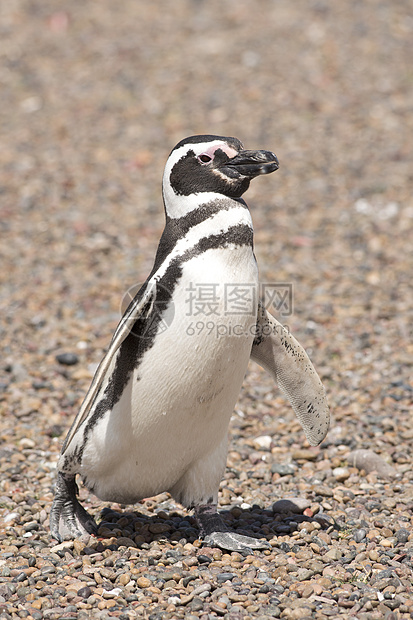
{"x": 204, "y": 158}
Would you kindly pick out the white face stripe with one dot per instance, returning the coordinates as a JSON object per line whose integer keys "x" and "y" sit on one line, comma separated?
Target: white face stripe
{"x": 177, "y": 206}
{"x": 218, "y": 223}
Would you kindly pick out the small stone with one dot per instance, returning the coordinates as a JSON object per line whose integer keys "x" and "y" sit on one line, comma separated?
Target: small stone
{"x": 110, "y": 594}
{"x": 78, "y": 546}
{"x": 221, "y": 577}
{"x": 324, "y": 491}
{"x": 67, "y": 359}
{"x": 124, "y": 579}
{"x": 370, "y": 461}
{"x": 359, "y": 535}
{"x": 305, "y": 454}
{"x": 388, "y": 542}
{"x": 26, "y": 442}
{"x": 196, "y": 604}
{"x": 143, "y": 582}
{"x": 63, "y": 546}
{"x": 402, "y": 535}
{"x": 341, "y": 473}
{"x": 283, "y": 469}
{"x": 333, "y": 554}
{"x": 84, "y": 592}
{"x": 262, "y": 443}
{"x": 125, "y": 541}
{"x": 295, "y": 505}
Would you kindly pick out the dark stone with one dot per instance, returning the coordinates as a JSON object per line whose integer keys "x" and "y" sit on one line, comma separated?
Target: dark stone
{"x": 359, "y": 535}
{"x": 283, "y": 469}
{"x": 196, "y": 604}
{"x": 221, "y": 577}
{"x": 188, "y": 579}
{"x": 402, "y": 535}
{"x": 84, "y": 592}
{"x": 392, "y": 603}
{"x": 131, "y": 598}
{"x": 70, "y": 609}
{"x": 67, "y": 359}
{"x": 204, "y": 559}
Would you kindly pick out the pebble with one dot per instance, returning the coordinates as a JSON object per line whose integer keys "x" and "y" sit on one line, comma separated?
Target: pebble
{"x": 67, "y": 359}
{"x": 143, "y": 582}
{"x": 294, "y": 505}
{"x": 369, "y": 461}
{"x": 263, "y": 443}
{"x": 283, "y": 469}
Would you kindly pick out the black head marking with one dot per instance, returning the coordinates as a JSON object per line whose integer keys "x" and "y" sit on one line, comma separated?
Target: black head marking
{"x": 190, "y": 176}
{"x": 215, "y": 164}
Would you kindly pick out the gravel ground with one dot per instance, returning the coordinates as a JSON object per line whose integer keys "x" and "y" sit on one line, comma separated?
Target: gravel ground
{"x": 94, "y": 96}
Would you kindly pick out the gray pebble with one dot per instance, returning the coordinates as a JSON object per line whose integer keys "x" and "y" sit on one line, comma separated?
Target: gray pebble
{"x": 221, "y": 577}
{"x": 67, "y": 359}
{"x": 196, "y": 604}
{"x": 84, "y": 592}
{"x": 359, "y": 535}
{"x": 402, "y": 535}
{"x": 284, "y": 469}
{"x": 291, "y": 505}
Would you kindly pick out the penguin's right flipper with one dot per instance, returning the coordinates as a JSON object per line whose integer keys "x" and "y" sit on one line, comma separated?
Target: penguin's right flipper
{"x": 67, "y": 516}
{"x": 276, "y": 350}
{"x": 140, "y": 307}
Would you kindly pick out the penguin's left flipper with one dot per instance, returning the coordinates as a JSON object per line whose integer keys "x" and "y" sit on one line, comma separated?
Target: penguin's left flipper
{"x": 276, "y": 350}
{"x": 216, "y": 534}
{"x": 140, "y": 307}
{"x": 67, "y": 516}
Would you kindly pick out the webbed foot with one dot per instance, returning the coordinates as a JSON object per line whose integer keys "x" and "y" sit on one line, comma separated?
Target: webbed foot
{"x": 217, "y": 534}
{"x": 68, "y": 518}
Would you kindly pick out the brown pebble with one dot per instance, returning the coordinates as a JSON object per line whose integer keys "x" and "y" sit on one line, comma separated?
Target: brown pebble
{"x": 143, "y": 582}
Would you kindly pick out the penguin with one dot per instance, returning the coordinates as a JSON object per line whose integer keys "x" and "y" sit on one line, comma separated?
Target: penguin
{"x": 157, "y": 413}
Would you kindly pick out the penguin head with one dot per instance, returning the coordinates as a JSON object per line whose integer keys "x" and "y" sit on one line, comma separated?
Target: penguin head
{"x": 207, "y": 164}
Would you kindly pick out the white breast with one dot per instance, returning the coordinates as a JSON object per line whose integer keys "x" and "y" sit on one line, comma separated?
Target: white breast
{"x": 178, "y": 404}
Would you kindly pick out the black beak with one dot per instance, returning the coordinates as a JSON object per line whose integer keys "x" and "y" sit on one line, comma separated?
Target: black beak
{"x": 250, "y": 164}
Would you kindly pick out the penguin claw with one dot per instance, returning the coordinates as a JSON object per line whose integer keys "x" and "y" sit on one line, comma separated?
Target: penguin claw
{"x": 230, "y": 541}
{"x": 68, "y": 518}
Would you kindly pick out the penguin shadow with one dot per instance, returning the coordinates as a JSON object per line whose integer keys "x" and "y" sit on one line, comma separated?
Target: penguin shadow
{"x": 122, "y": 527}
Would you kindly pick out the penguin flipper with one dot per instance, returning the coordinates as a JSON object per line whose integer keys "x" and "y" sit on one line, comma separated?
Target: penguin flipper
{"x": 140, "y": 306}
{"x": 276, "y": 350}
